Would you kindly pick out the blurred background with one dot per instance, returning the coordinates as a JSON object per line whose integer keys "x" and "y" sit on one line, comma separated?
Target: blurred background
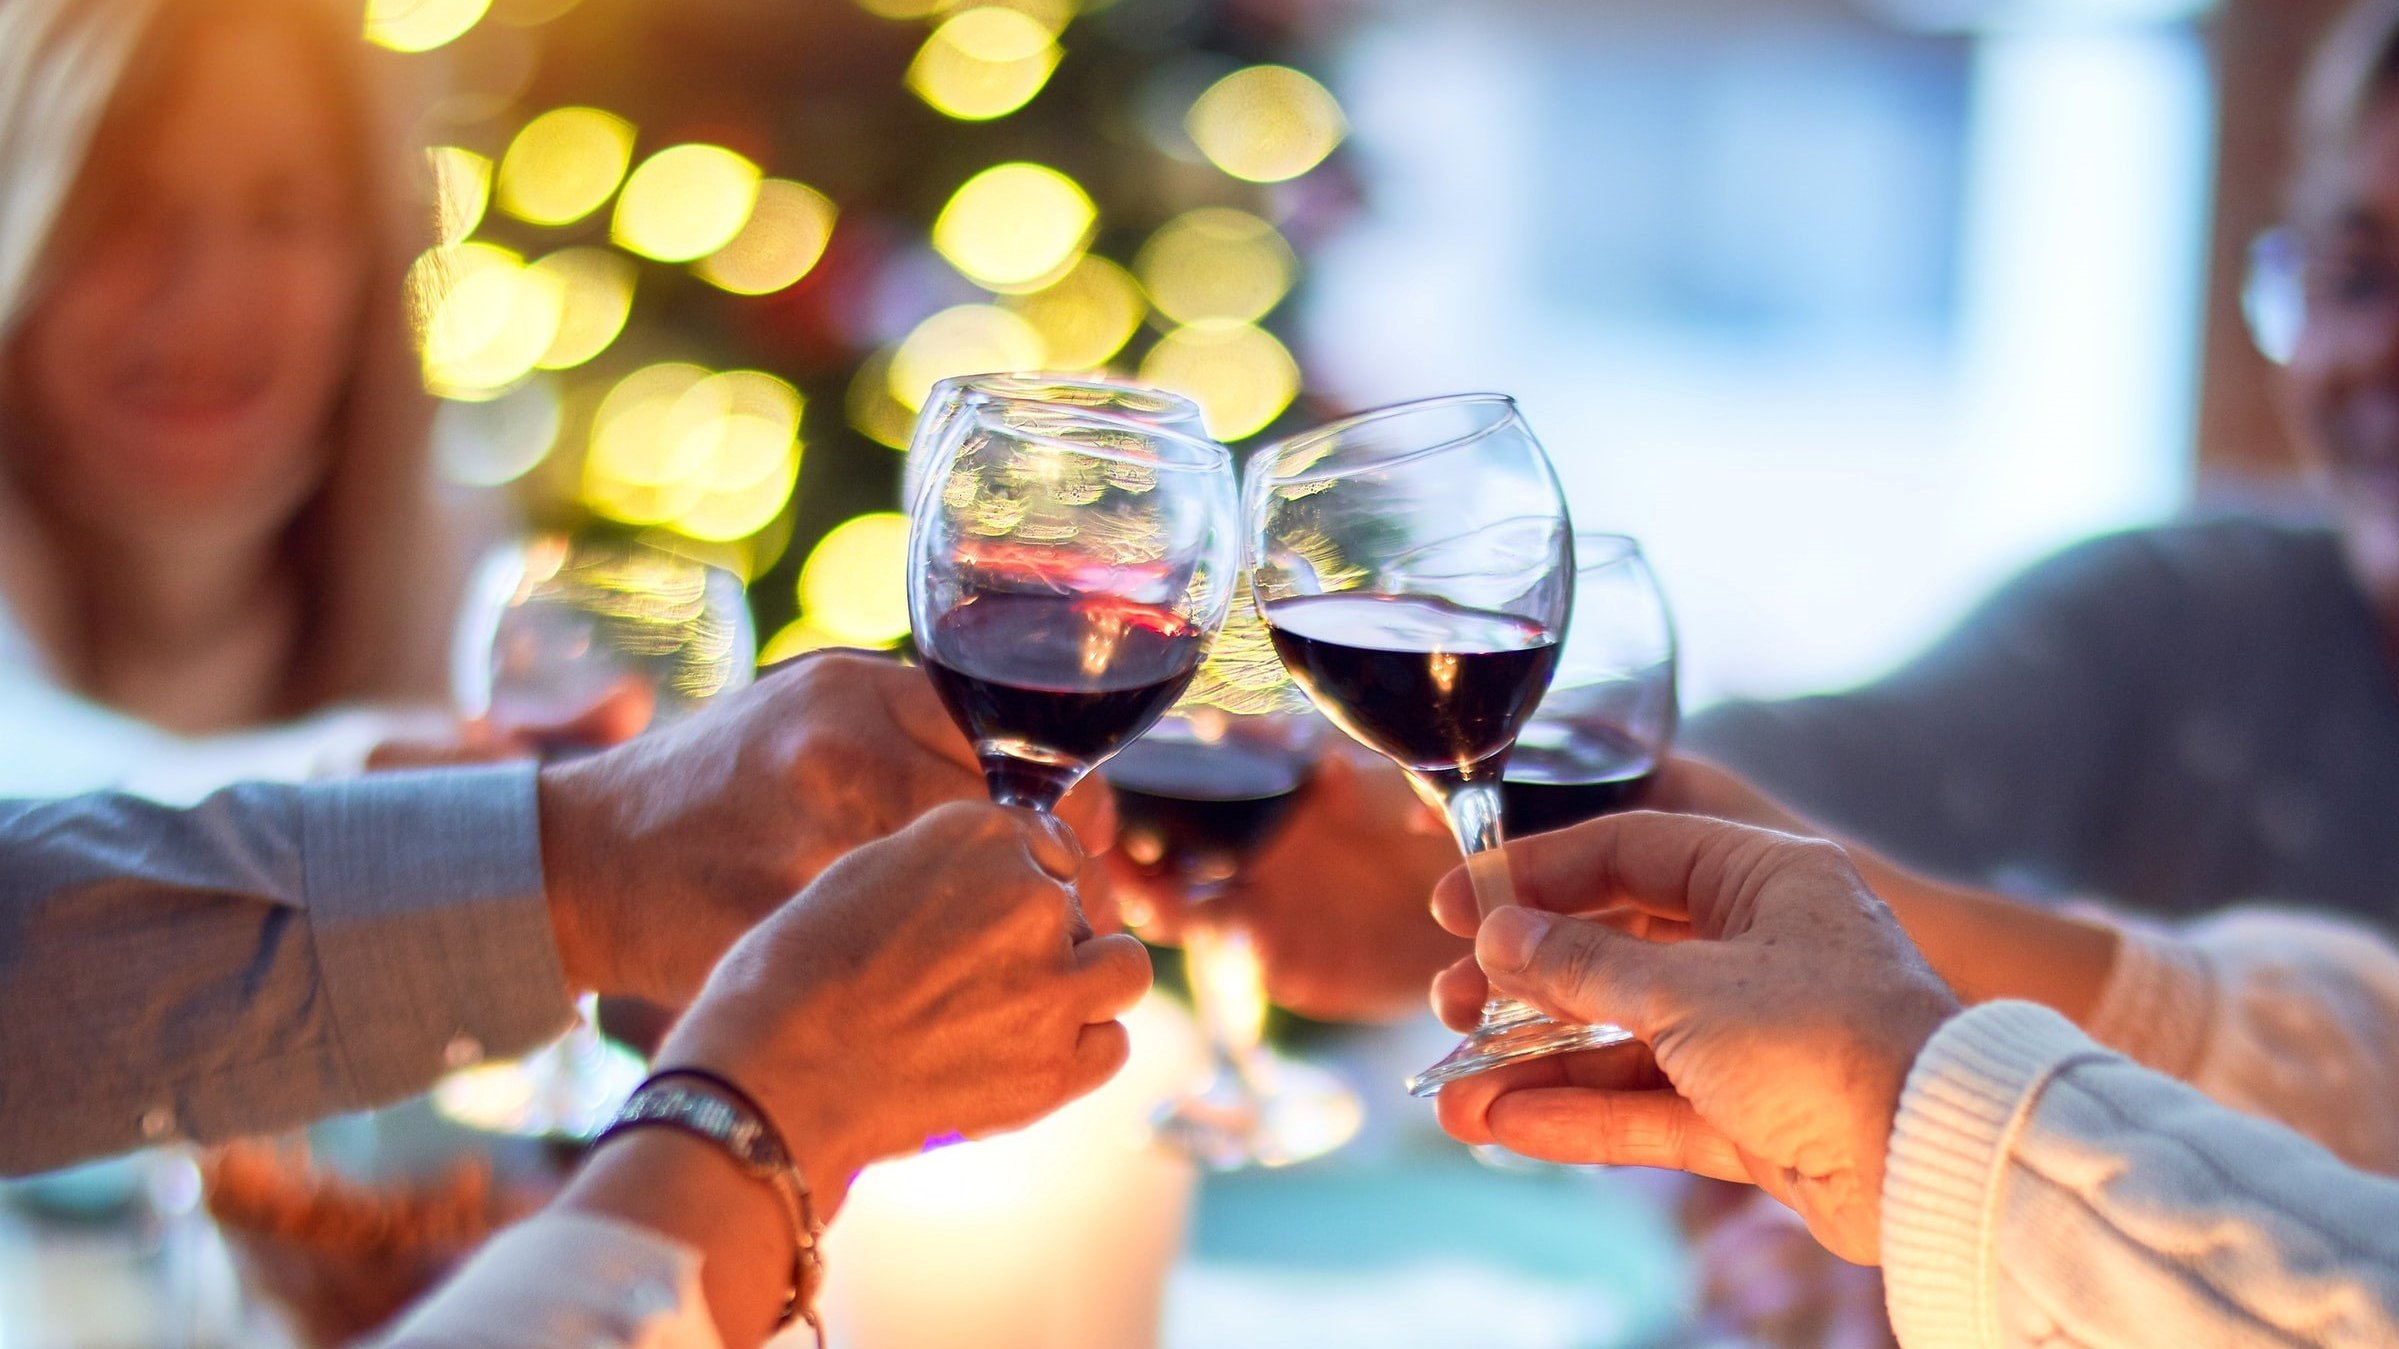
{"x": 1846, "y": 307}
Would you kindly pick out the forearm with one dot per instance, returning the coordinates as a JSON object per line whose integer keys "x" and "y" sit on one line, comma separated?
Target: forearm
{"x": 2041, "y": 1190}
{"x": 689, "y": 1191}
{"x": 264, "y": 958}
{"x": 1987, "y": 947}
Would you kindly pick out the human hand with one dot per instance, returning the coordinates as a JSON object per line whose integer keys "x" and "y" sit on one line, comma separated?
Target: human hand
{"x": 658, "y": 854}
{"x": 1335, "y": 901}
{"x": 1778, "y": 1004}
{"x": 616, "y": 718}
{"x": 939, "y": 981}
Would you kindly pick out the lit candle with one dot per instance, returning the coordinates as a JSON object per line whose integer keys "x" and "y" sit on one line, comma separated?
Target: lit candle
{"x": 1056, "y": 1237}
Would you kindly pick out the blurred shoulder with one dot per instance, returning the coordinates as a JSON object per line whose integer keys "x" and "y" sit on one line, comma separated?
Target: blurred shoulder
{"x": 2210, "y": 561}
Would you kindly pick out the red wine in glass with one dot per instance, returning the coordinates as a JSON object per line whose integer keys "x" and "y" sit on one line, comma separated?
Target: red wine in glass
{"x": 1436, "y": 686}
{"x": 1598, "y": 771}
{"x": 1049, "y": 684}
{"x": 1195, "y": 812}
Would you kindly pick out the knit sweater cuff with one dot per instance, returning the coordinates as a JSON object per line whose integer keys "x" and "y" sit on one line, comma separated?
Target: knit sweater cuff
{"x": 1967, "y": 1096}
{"x": 2155, "y": 1008}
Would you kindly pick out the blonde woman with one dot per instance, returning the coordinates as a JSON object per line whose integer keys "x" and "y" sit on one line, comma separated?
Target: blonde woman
{"x": 216, "y": 513}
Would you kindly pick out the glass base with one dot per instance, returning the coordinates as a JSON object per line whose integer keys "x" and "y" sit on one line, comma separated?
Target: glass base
{"x": 1281, "y": 1113}
{"x": 1511, "y": 1032}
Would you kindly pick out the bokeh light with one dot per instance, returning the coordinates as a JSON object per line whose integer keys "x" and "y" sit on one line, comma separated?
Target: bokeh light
{"x": 1265, "y": 124}
{"x": 1241, "y": 377}
{"x": 967, "y": 339}
{"x": 684, "y": 202}
{"x": 786, "y": 233}
{"x": 1216, "y": 263}
{"x": 873, "y": 409}
{"x": 797, "y": 638}
{"x": 490, "y": 443}
{"x": 711, "y": 456}
{"x": 1015, "y": 226}
{"x": 854, "y": 587}
{"x": 1084, "y": 317}
{"x": 983, "y": 63}
{"x": 420, "y": 25}
{"x": 903, "y": 9}
{"x": 490, "y": 318}
{"x": 595, "y": 298}
{"x": 564, "y": 164}
{"x": 461, "y": 191}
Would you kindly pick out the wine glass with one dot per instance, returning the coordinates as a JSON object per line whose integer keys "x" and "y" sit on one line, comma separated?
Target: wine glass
{"x": 1196, "y": 799}
{"x": 1415, "y": 566}
{"x": 941, "y": 418}
{"x": 1610, "y": 714}
{"x": 1066, "y": 575}
{"x": 552, "y": 627}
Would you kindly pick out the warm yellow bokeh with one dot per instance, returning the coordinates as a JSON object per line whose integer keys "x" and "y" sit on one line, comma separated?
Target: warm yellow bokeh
{"x": 967, "y": 339}
{"x": 854, "y": 587}
{"x": 420, "y": 25}
{"x": 1216, "y": 263}
{"x": 596, "y": 296}
{"x": 787, "y": 232}
{"x": 873, "y": 409}
{"x": 903, "y": 9}
{"x": 564, "y": 164}
{"x": 1265, "y": 124}
{"x": 798, "y": 638}
{"x": 1085, "y": 317}
{"x": 1015, "y": 226}
{"x": 685, "y": 202}
{"x": 1241, "y": 377}
{"x": 461, "y": 191}
{"x": 711, "y": 456}
{"x": 489, "y": 318}
{"x": 983, "y": 63}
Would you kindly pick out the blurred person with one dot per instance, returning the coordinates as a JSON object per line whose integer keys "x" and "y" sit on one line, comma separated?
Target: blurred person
{"x": 280, "y": 953}
{"x": 2018, "y": 1183}
{"x": 220, "y": 538}
{"x": 2178, "y": 717}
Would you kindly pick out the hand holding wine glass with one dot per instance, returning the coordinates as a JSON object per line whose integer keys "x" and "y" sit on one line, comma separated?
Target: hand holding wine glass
{"x": 1415, "y": 566}
{"x": 1066, "y": 574}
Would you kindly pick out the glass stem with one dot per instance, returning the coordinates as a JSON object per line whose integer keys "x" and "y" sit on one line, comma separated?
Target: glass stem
{"x": 1473, "y": 810}
{"x": 1228, "y": 992}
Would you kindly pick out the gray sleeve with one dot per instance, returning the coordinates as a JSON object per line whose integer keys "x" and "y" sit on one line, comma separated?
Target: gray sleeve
{"x": 268, "y": 956}
{"x": 1993, "y": 756}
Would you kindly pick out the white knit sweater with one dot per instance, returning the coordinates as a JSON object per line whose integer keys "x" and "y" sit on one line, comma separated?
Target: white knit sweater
{"x": 2043, "y": 1191}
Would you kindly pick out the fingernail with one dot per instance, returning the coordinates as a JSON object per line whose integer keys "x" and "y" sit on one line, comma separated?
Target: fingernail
{"x": 1054, "y": 849}
{"x": 1508, "y": 939}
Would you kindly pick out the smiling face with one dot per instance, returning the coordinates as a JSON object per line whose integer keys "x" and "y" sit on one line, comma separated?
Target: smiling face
{"x": 2343, "y": 389}
{"x": 190, "y": 340}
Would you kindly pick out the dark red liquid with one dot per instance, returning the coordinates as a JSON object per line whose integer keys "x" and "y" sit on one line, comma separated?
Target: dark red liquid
{"x": 1196, "y": 812}
{"x": 1436, "y": 686}
{"x": 1047, "y": 685}
{"x": 1597, "y": 772}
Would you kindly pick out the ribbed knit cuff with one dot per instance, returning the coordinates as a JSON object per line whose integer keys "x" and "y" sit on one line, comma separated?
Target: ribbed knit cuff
{"x": 2157, "y": 1006}
{"x": 1968, "y": 1094}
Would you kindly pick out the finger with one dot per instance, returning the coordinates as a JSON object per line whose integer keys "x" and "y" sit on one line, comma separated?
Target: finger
{"x": 1052, "y": 846}
{"x": 1459, "y": 993}
{"x": 1614, "y": 1128}
{"x": 617, "y": 716}
{"x": 1585, "y": 972}
{"x": 1464, "y": 1106}
{"x": 1090, "y": 811}
{"x": 1110, "y": 974}
{"x": 1100, "y": 1051}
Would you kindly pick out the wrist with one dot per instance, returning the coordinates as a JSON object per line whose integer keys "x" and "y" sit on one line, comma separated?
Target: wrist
{"x": 807, "y": 1113}
{"x": 571, "y": 836}
{"x": 688, "y": 1189}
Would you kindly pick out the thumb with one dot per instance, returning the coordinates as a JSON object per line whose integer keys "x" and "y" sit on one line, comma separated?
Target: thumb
{"x": 1577, "y": 970}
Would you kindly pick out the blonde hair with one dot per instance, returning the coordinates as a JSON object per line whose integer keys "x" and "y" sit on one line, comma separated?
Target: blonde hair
{"x": 368, "y": 548}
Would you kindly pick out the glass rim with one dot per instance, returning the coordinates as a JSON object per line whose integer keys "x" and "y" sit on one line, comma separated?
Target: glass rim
{"x": 1274, "y": 454}
{"x": 1029, "y": 385}
{"x": 1616, "y": 550}
{"x": 1206, "y": 456}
